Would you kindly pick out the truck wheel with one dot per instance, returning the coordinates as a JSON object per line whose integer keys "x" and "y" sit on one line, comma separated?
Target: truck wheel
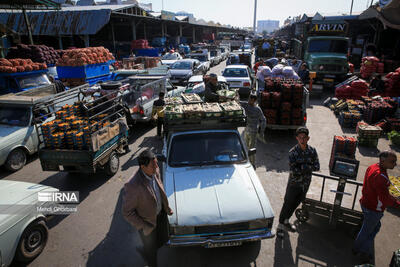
{"x": 112, "y": 164}
{"x": 32, "y": 242}
{"x": 15, "y": 160}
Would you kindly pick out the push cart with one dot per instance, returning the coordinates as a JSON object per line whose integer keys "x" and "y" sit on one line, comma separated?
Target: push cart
{"x": 345, "y": 171}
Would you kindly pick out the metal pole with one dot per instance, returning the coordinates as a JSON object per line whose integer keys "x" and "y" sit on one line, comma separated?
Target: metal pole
{"x": 28, "y": 26}
{"x": 255, "y": 16}
{"x": 351, "y": 9}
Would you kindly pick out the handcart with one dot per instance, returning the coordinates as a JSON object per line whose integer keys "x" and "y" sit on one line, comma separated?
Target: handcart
{"x": 346, "y": 170}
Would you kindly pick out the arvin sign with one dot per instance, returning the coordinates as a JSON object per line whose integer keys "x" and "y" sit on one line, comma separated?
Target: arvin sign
{"x": 329, "y": 27}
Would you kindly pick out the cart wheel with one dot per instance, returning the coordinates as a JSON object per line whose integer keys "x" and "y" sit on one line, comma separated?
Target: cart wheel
{"x": 112, "y": 165}
{"x": 302, "y": 215}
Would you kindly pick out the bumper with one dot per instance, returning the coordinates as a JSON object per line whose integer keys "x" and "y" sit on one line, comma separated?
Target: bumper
{"x": 180, "y": 241}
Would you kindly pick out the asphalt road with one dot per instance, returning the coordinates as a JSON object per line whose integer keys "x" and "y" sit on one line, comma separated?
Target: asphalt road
{"x": 97, "y": 235}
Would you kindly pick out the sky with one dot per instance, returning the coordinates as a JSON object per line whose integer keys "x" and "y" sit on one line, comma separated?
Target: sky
{"x": 240, "y": 12}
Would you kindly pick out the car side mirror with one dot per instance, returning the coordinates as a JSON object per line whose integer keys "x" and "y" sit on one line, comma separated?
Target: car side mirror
{"x": 161, "y": 158}
{"x": 252, "y": 151}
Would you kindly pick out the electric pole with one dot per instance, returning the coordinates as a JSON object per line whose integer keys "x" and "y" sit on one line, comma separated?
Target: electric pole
{"x": 255, "y": 16}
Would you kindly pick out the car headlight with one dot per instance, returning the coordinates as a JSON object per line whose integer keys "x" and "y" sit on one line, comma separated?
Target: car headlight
{"x": 261, "y": 223}
{"x": 182, "y": 230}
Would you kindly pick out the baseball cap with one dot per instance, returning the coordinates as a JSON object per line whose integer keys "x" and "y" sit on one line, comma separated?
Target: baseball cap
{"x": 301, "y": 130}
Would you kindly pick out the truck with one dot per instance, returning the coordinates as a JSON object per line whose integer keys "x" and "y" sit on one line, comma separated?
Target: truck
{"x": 23, "y": 81}
{"x": 82, "y": 132}
{"x": 325, "y": 50}
{"x": 203, "y": 187}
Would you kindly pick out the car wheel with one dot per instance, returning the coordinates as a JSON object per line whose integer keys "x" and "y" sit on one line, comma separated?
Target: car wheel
{"x": 32, "y": 242}
{"x": 112, "y": 165}
{"x": 15, "y": 160}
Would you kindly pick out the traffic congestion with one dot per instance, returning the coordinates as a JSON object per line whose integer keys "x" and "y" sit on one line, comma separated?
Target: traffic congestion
{"x": 183, "y": 143}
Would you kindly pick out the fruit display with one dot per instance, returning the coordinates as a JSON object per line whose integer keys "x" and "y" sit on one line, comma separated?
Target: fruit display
{"x": 231, "y": 108}
{"x": 355, "y": 90}
{"x": 20, "y": 65}
{"x": 192, "y": 111}
{"x": 172, "y": 112}
{"x": 37, "y": 53}
{"x": 369, "y": 65}
{"x": 85, "y": 56}
{"x": 343, "y": 147}
{"x": 212, "y": 109}
{"x": 191, "y": 98}
{"x": 392, "y": 83}
{"x": 395, "y": 186}
{"x": 368, "y": 135}
{"x": 174, "y": 100}
{"x": 394, "y": 137}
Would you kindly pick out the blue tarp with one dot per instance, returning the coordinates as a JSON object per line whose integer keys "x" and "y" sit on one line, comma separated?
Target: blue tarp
{"x": 56, "y": 23}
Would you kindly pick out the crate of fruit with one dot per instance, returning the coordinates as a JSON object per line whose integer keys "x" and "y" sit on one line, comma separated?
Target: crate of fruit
{"x": 232, "y": 108}
{"x": 229, "y": 94}
{"x": 369, "y": 131}
{"x": 173, "y": 112}
{"x": 192, "y": 98}
{"x": 193, "y": 111}
{"x": 212, "y": 110}
{"x": 174, "y": 100}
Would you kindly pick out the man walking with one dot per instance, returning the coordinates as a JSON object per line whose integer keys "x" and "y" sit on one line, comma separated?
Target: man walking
{"x": 145, "y": 206}
{"x": 158, "y": 108}
{"x": 255, "y": 118}
{"x": 375, "y": 198}
{"x": 303, "y": 160}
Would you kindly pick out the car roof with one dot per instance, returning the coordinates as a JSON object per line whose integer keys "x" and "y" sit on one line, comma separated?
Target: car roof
{"x": 236, "y": 67}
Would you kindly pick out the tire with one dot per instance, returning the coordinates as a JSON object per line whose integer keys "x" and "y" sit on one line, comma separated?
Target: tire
{"x": 112, "y": 165}
{"x": 16, "y": 160}
{"x": 302, "y": 215}
{"x": 32, "y": 242}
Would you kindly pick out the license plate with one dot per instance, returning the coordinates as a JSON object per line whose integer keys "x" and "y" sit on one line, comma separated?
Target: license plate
{"x": 224, "y": 244}
{"x": 174, "y": 81}
{"x": 329, "y": 80}
{"x": 235, "y": 83}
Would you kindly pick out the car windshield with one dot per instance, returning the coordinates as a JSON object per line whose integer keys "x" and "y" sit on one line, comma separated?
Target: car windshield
{"x": 33, "y": 81}
{"x": 170, "y": 57}
{"x": 200, "y": 58}
{"x": 245, "y": 47}
{"x": 333, "y": 46}
{"x": 211, "y": 148}
{"x": 235, "y": 73}
{"x": 213, "y": 53}
{"x": 15, "y": 116}
{"x": 181, "y": 66}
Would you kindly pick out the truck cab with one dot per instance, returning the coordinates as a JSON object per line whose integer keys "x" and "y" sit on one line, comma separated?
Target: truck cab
{"x": 23, "y": 81}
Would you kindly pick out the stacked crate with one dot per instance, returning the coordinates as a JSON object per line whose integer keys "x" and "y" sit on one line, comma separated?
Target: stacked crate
{"x": 343, "y": 147}
{"x": 368, "y": 135}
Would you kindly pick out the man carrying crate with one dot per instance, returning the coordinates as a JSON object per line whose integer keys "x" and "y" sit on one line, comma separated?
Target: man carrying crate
{"x": 303, "y": 160}
{"x": 375, "y": 198}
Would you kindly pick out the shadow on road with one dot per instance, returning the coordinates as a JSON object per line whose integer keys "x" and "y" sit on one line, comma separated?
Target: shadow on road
{"x": 371, "y": 152}
{"x": 283, "y": 252}
{"x": 274, "y": 153}
{"x": 118, "y": 248}
{"x": 151, "y": 142}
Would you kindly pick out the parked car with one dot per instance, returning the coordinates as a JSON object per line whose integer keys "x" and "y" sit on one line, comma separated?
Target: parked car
{"x": 196, "y": 84}
{"x": 217, "y": 195}
{"x": 181, "y": 71}
{"x": 23, "y": 230}
{"x": 170, "y": 58}
{"x": 240, "y": 76}
{"x": 203, "y": 55}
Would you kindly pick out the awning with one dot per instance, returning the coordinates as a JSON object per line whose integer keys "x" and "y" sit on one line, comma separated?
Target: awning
{"x": 388, "y": 15}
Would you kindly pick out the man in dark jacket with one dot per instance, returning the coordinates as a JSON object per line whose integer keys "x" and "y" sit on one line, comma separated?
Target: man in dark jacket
{"x": 145, "y": 206}
{"x": 158, "y": 108}
{"x": 303, "y": 160}
{"x": 375, "y": 198}
{"x": 212, "y": 86}
{"x": 304, "y": 74}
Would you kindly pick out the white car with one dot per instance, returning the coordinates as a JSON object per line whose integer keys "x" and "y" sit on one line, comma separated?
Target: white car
{"x": 217, "y": 197}
{"x": 196, "y": 84}
{"x": 23, "y": 230}
{"x": 239, "y": 76}
{"x": 170, "y": 58}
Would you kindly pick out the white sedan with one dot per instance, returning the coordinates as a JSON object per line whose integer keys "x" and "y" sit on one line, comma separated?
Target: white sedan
{"x": 23, "y": 230}
{"x": 170, "y": 58}
{"x": 239, "y": 76}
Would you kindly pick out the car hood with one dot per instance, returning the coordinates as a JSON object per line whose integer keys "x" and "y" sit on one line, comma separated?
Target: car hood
{"x": 179, "y": 72}
{"x": 13, "y": 192}
{"x": 216, "y": 195}
{"x": 168, "y": 61}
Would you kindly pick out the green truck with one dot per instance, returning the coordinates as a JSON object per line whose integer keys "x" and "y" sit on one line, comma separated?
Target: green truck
{"x": 325, "y": 50}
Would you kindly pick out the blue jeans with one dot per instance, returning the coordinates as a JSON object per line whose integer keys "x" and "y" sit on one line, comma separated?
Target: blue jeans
{"x": 369, "y": 229}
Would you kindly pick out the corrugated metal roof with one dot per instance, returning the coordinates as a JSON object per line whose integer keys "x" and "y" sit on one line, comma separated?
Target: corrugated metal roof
{"x": 65, "y": 22}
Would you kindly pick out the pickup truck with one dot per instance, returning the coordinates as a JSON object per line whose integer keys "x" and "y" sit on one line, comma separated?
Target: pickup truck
{"x": 23, "y": 81}
{"x": 217, "y": 197}
{"x": 17, "y": 130}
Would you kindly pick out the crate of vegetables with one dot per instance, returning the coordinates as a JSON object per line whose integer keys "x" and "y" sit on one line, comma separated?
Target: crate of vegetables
{"x": 173, "y": 112}
{"x": 212, "y": 110}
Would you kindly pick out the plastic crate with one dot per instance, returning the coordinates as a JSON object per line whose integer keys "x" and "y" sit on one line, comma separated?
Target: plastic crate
{"x": 86, "y": 71}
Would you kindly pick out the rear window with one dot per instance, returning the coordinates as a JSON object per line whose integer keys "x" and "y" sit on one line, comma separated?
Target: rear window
{"x": 235, "y": 73}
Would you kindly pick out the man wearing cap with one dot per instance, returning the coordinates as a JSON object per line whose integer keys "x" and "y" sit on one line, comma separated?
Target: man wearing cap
{"x": 303, "y": 160}
{"x": 212, "y": 86}
{"x": 158, "y": 108}
{"x": 255, "y": 118}
{"x": 145, "y": 206}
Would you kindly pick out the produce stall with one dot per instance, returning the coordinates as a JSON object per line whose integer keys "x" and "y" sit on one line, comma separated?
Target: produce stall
{"x": 37, "y": 53}
{"x": 284, "y": 103}
{"x": 81, "y": 134}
